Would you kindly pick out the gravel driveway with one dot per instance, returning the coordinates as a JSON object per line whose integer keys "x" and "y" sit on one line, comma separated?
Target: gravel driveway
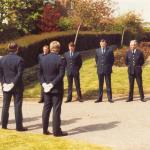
{"x": 121, "y": 125}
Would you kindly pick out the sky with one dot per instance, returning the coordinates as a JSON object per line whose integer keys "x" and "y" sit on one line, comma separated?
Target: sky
{"x": 139, "y": 6}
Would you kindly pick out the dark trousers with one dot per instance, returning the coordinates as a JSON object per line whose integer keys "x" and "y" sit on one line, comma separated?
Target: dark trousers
{"x": 52, "y": 101}
{"x": 107, "y": 78}
{"x": 18, "y": 98}
{"x": 138, "y": 78}
{"x": 76, "y": 79}
{"x": 42, "y": 95}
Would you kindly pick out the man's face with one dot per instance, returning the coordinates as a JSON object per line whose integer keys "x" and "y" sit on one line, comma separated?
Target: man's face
{"x": 45, "y": 50}
{"x": 133, "y": 45}
{"x": 103, "y": 44}
{"x": 72, "y": 48}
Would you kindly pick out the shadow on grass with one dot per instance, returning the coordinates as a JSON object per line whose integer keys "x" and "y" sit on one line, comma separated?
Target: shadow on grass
{"x": 93, "y": 94}
{"x": 135, "y": 98}
{"x": 90, "y": 95}
{"x": 93, "y": 127}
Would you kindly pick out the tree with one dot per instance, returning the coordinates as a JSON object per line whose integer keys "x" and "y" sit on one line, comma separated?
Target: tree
{"x": 20, "y": 14}
{"x": 27, "y": 15}
{"x": 91, "y": 13}
{"x": 129, "y": 21}
{"x": 49, "y": 19}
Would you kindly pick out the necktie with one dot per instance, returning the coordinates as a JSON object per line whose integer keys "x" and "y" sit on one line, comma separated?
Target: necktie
{"x": 71, "y": 54}
{"x": 103, "y": 50}
{"x": 133, "y": 53}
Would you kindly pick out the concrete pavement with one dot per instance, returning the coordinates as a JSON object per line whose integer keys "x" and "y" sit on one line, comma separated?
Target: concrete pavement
{"x": 121, "y": 125}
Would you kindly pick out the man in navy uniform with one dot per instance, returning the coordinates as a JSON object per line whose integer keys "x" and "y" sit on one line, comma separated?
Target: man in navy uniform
{"x": 73, "y": 66}
{"x": 135, "y": 60}
{"x": 104, "y": 60}
{"x": 11, "y": 70}
{"x": 52, "y": 70}
{"x": 41, "y": 56}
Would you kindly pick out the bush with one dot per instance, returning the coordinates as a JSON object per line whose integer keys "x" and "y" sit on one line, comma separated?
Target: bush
{"x": 120, "y": 57}
{"x": 31, "y": 45}
{"x": 9, "y": 34}
{"x": 49, "y": 19}
{"x": 146, "y": 37}
{"x": 65, "y": 24}
{"x": 121, "y": 53}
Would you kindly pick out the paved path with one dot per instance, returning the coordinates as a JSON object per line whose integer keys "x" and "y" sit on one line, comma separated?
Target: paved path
{"x": 122, "y": 126}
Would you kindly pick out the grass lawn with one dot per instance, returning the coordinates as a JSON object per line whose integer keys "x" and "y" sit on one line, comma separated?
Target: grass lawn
{"x": 89, "y": 81}
{"x": 11, "y": 140}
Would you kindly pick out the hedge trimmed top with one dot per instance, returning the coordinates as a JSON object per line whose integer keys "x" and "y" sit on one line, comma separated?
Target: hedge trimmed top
{"x": 32, "y": 39}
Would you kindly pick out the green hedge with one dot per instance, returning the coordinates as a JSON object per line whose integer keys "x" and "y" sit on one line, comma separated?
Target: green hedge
{"x": 31, "y": 45}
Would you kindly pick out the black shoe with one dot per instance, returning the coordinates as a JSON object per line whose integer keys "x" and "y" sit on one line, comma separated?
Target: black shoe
{"x": 4, "y": 128}
{"x": 143, "y": 100}
{"x": 22, "y": 129}
{"x": 80, "y": 100}
{"x": 98, "y": 101}
{"x": 41, "y": 101}
{"x": 61, "y": 134}
{"x": 67, "y": 101}
{"x": 129, "y": 100}
{"x": 79, "y": 97}
{"x": 111, "y": 101}
{"x": 47, "y": 133}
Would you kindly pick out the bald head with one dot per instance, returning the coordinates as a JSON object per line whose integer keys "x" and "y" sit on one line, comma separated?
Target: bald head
{"x": 133, "y": 44}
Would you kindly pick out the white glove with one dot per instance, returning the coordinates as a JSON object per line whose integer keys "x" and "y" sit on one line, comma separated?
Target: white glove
{"x": 8, "y": 87}
{"x": 50, "y": 85}
{"x": 47, "y": 87}
{"x": 44, "y": 85}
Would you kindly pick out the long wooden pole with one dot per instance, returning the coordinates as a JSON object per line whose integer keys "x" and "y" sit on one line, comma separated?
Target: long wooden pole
{"x": 77, "y": 33}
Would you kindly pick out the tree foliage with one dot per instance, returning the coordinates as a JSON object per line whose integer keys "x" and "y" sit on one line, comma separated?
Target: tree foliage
{"x": 91, "y": 13}
{"x": 130, "y": 21}
{"x": 49, "y": 19}
{"x": 20, "y": 14}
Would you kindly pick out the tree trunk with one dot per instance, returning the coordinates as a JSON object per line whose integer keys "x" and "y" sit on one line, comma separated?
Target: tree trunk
{"x": 122, "y": 36}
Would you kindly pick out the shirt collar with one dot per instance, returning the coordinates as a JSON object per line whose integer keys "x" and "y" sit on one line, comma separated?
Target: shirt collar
{"x": 134, "y": 51}
{"x": 44, "y": 54}
{"x": 12, "y": 53}
{"x": 103, "y": 48}
{"x": 71, "y": 51}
